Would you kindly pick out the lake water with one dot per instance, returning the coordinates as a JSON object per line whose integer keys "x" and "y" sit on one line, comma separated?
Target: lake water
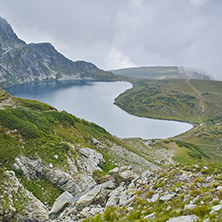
{"x": 93, "y": 101}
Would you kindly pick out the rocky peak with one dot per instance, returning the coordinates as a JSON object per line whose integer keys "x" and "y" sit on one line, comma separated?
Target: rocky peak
{"x": 23, "y": 62}
{"x": 8, "y": 39}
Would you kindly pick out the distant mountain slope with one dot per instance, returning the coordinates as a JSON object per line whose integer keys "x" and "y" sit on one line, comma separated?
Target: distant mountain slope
{"x": 161, "y": 72}
{"x": 21, "y": 62}
{"x": 8, "y": 39}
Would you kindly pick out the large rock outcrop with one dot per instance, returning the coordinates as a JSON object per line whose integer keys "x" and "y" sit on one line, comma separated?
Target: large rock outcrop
{"x": 89, "y": 161}
{"x": 17, "y": 202}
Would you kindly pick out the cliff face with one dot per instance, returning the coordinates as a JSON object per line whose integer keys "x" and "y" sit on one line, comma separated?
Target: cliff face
{"x": 21, "y": 62}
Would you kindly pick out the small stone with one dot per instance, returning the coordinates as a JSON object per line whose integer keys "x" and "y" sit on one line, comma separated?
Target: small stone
{"x": 216, "y": 208}
{"x": 167, "y": 197}
{"x": 95, "y": 141}
{"x": 219, "y": 188}
{"x": 12, "y": 209}
{"x": 154, "y": 198}
{"x": 85, "y": 212}
{"x": 95, "y": 211}
{"x": 144, "y": 174}
{"x": 109, "y": 184}
{"x": 130, "y": 208}
{"x": 115, "y": 170}
{"x": 168, "y": 208}
{"x": 188, "y": 218}
{"x": 131, "y": 186}
{"x": 205, "y": 167}
{"x": 189, "y": 206}
{"x": 51, "y": 165}
{"x": 56, "y": 156}
{"x": 152, "y": 215}
{"x": 215, "y": 199}
{"x": 129, "y": 195}
{"x": 212, "y": 212}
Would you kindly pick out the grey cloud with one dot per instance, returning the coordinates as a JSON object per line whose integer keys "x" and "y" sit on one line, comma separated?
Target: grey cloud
{"x": 119, "y": 33}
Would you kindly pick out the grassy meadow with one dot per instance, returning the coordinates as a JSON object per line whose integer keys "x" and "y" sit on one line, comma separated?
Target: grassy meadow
{"x": 195, "y": 101}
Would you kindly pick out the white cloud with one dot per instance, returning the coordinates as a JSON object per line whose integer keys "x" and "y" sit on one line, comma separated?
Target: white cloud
{"x": 116, "y": 60}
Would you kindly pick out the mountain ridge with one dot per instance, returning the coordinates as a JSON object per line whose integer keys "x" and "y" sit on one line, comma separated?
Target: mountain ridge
{"x": 8, "y": 39}
{"x": 21, "y": 62}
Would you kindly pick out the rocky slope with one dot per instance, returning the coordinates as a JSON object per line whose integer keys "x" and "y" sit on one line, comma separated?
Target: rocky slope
{"x": 176, "y": 195}
{"x": 21, "y": 62}
{"x": 46, "y": 153}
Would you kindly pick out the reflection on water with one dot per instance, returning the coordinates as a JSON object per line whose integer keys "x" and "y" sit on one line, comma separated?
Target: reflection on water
{"x": 93, "y": 101}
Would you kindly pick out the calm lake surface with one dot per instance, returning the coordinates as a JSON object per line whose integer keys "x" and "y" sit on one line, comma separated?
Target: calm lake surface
{"x": 93, "y": 101}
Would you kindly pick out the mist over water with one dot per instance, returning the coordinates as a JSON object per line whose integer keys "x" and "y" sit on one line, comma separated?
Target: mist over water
{"x": 93, "y": 101}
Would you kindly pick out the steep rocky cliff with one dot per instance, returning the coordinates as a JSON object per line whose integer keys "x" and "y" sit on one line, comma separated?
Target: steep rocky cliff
{"x": 21, "y": 62}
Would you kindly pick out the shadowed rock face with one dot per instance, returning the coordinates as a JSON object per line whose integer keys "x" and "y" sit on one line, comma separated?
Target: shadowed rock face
{"x": 35, "y": 169}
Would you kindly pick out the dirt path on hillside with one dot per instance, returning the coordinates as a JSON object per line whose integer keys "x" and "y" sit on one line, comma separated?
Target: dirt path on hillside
{"x": 200, "y": 106}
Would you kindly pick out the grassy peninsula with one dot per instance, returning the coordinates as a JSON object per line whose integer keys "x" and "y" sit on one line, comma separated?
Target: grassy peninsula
{"x": 195, "y": 101}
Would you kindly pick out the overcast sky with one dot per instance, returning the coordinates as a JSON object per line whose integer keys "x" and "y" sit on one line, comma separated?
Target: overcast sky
{"x": 124, "y": 33}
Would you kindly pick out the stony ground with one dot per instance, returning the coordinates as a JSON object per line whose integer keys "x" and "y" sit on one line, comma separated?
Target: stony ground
{"x": 180, "y": 194}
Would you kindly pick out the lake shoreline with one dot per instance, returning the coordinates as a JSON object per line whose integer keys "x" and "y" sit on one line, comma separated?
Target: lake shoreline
{"x": 120, "y": 87}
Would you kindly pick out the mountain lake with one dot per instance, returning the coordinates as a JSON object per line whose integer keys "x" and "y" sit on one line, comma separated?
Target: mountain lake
{"x": 93, "y": 101}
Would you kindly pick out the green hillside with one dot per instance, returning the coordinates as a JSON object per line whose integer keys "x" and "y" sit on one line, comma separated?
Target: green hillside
{"x": 194, "y": 101}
